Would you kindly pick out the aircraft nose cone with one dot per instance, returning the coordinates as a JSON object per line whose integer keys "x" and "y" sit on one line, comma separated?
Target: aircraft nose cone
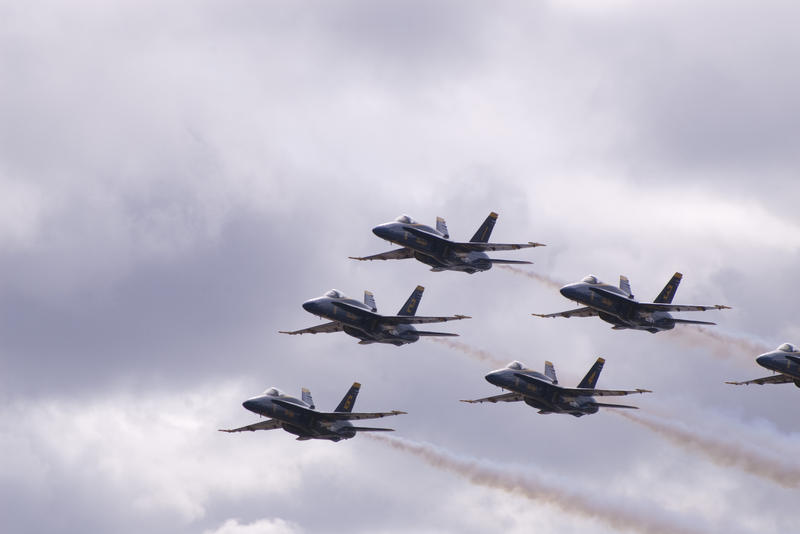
{"x": 491, "y": 378}
{"x": 310, "y": 305}
{"x": 250, "y": 404}
{"x": 763, "y": 361}
{"x": 382, "y": 230}
{"x": 568, "y": 291}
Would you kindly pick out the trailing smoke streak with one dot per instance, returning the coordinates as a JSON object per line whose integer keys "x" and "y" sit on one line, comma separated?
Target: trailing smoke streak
{"x": 484, "y": 474}
{"x": 721, "y": 345}
{"x": 479, "y": 354}
{"x": 546, "y": 280}
{"x": 723, "y": 453}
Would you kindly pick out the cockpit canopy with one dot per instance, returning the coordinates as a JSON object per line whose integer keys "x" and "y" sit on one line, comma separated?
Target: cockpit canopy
{"x": 515, "y": 365}
{"x": 273, "y": 392}
{"x": 591, "y": 279}
{"x": 405, "y": 219}
{"x": 334, "y": 294}
{"x": 787, "y": 347}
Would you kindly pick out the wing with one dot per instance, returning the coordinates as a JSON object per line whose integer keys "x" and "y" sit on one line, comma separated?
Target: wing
{"x": 333, "y": 416}
{"x": 326, "y": 328}
{"x": 505, "y": 397}
{"x": 470, "y": 246}
{"x": 579, "y": 312}
{"x": 405, "y": 319}
{"x": 269, "y": 424}
{"x": 773, "y": 379}
{"x": 351, "y": 416}
{"x": 657, "y": 306}
{"x": 588, "y": 392}
{"x": 487, "y": 247}
{"x": 398, "y": 254}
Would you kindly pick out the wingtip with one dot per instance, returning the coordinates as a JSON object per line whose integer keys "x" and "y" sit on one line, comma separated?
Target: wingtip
{"x": 399, "y": 412}
{"x": 534, "y": 244}
{"x": 722, "y": 307}
{"x": 458, "y": 316}
{"x": 356, "y": 258}
{"x": 640, "y": 390}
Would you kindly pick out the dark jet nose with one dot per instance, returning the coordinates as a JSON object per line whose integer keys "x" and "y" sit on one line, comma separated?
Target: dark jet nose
{"x": 383, "y": 231}
{"x": 250, "y": 404}
{"x": 492, "y": 377}
{"x": 311, "y": 306}
{"x": 764, "y": 361}
{"x": 569, "y": 291}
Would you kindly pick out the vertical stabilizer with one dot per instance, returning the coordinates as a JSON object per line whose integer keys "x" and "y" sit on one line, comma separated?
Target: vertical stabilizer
{"x": 441, "y": 226}
{"x": 668, "y": 293}
{"x": 483, "y": 233}
{"x": 550, "y": 372}
{"x": 410, "y": 307}
{"x": 625, "y": 285}
{"x": 369, "y": 300}
{"x": 590, "y": 380}
{"x": 349, "y": 399}
{"x": 306, "y": 397}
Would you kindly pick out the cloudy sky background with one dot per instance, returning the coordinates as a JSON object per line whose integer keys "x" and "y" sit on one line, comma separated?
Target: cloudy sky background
{"x": 175, "y": 179}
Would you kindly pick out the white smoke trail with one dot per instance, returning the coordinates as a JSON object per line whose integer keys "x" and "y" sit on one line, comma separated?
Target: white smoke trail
{"x": 546, "y": 280}
{"x": 721, "y": 345}
{"x": 484, "y": 474}
{"x": 478, "y": 354}
{"x": 728, "y": 453}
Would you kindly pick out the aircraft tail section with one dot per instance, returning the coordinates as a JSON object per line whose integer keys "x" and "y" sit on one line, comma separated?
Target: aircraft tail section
{"x": 668, "y": 293}
{"x": 483, "y": 233}
{"x": 441, "y": 226}
{"x": 609, "y": 405}
{"x": 410, "y": 307}
{"x": 435, "y": 334}
{"x": 590, "y": 380}
{"x": 369, "y": 429}
{"x": 510, "y": 262}
{"x": 346, "y": 405}
{"x": 550, "y": 372}
{"x": 689, "y": 321}
{"x": 625, "y": 285}
{"x": 306, "y": 397}
{"x": 369, "y": 300}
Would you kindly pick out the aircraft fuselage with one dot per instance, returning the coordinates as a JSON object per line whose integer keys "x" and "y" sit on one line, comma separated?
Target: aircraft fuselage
{"x": 366, "y": 327}
{"x": 543, "y": 394}
{"x": 778, "y": 362}
{"x": 621, "y": 315}
{"x": 438, "y": 253}
{"x": 302, "y": 425}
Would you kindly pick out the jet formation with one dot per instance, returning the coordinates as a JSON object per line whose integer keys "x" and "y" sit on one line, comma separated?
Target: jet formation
{"x": 433, "y": 246}
{"x": 616, "y": 305}
{"x": 361, "y": 320}
{"x": 301, "y": 418}
{"x": 541, "y": 391}
{"x": 785, "y": 360}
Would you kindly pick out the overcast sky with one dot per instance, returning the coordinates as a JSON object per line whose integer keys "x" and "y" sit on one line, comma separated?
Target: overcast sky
{"x": 177, "y": 178}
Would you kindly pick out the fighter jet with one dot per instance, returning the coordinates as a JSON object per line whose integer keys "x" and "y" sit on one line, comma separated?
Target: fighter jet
{"x": 616, "y": 305}
{"x": 785, "y": 360}
{"x": 299, "y": 417}
{"x": 361, "y": 320}
{"x": 435, "y": 248}
{"x": 542, "y": 391}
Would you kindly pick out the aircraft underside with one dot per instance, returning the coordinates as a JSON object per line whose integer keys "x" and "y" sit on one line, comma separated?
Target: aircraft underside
{"x": 455, "y": 262}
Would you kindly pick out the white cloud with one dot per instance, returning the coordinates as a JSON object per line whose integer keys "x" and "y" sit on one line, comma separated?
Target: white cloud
{"x": 262, "y": 526}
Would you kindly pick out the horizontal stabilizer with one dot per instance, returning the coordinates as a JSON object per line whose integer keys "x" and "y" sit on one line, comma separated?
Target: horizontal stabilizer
{"x": 607, "y": 405}
{"x": 510, "y": 262}
{"x": 397, "y": 254}
{"x": 435, "y": 334}
{"x": 369, "y": 429}
{"x": 687, "y": 321}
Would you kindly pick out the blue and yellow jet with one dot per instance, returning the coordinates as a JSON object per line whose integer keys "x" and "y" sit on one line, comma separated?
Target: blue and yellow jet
{"x": 542, "y": 391}
{"x": 617, "y": 306}
{"x": 785, "y": 360}
{"x": 299, "y": 416}
{"x": 361, "y": 320}
{"x": 433, "y": 246}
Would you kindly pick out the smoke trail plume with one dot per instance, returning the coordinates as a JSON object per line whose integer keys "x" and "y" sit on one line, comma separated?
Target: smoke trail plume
{"x": 720, "y": 344}
{"x": 723, "y": 453}
{"x": 478, "y": 354}
{"x": 484, "y": 474}
{"x": 546, "y": 280}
